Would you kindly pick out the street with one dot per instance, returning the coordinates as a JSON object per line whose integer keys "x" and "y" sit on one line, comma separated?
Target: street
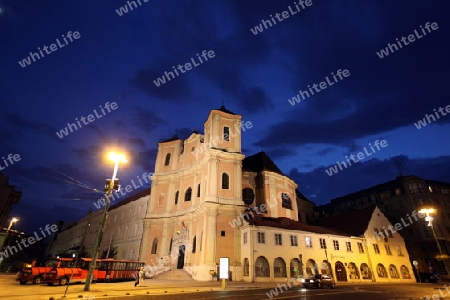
{"x": 185, "y": 290}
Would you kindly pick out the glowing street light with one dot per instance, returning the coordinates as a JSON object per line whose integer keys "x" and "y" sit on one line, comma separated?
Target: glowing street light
{"x": 13, "y": 220}
{"x": 429, "y": 219}
{"x": 110, "y": 186}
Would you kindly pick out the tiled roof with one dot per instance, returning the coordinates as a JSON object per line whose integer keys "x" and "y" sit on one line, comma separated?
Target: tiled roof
{"x": 222, "y": 108}
{"x": 289, "y": 224}
{"x": 260, "y": 162}
{"x": 353, "y": 222}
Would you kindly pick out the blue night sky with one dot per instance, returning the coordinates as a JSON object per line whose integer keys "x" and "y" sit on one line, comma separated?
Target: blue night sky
{"x": 117, "y": 58}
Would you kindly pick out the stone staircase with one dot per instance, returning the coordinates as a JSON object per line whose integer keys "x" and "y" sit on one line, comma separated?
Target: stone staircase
{"x": 174, "y": 274}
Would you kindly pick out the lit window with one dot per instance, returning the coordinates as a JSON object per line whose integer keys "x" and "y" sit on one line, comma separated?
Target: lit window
{"x": 245, "y": 237}
{"x": 308, "y": 242}
{"x": 376, "y": 249}
{"x": 226, "y": 134}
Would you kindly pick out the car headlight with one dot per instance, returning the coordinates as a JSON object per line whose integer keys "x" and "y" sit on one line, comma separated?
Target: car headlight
{"x": 303, "y": 280}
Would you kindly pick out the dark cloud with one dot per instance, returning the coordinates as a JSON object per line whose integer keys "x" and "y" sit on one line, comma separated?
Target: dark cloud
{"x": 146, "y": 120}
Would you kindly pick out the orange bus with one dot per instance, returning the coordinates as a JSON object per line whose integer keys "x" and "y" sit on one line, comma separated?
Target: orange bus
{"x": 67, "y": 271}
{"x": 106, "y": 270}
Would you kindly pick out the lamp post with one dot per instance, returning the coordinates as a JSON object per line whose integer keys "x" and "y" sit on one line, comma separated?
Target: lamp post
{"x": 427, "y": 212}
{"x": 109, "y": 187}
{"x": 13, "y": 220}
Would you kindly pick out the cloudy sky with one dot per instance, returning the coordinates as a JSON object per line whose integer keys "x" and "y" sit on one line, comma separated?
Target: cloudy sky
{"x": 116, "y": 56}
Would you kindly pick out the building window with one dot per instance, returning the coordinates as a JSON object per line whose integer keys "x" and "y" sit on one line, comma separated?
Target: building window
{"x": 349, "y": 246}
{"x": 177, "y": 193}
{"x": 393, "y": 271}
{"x": 226, "y": 133}
{"x": 323, "y": 244}
{"x": 286, "y": 201}
{"x": 360, "y": 248}
{"x": 388, "y": 249}
{"x": 170, "y": 246}
{"x": 294, "y": 241}
{"x": 194, "y": 244}
{"x": 222, "y": 233}
{"x": 225, "y": 181}
{"x": 198, "y": 190}
{"x": 278, "y": 239}
{"x": 154, "y": 246}
{"x": 248, "y": 196}
{"x": 261, "y": 238}
{"x": 245, "y": 238}
{"x": 376, "y": 249}
{"x": 308, "y": 242}
{"x": 399, "y": 250}
{"x": 167, "y": 160}
{"x": 336, "y": 245}
{"x": 390, "y": 233}
{"x": 188, "y": 194}
{"x": 262, "y": 268}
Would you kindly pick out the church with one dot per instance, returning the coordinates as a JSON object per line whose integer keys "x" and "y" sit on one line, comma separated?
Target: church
{"x": 209, "y": 201}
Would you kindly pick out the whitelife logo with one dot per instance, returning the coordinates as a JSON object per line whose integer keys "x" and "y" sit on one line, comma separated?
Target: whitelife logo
{"x": 428, "y": 118}
{"x": 285, "y": 14}
{"x": 31, "y": 240}
{"x": 187, "y": 66}
{"x": 11, "y": 158}
{"x": 27, "y": 61}
{"x": 124, "y": 9}
{"x": 90, "y": 118}
{"x": 411, "y": 38}
{"x": 360, "y": 155}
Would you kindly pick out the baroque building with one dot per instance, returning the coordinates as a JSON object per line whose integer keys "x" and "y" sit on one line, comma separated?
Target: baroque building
{"x": 210, "y": 201}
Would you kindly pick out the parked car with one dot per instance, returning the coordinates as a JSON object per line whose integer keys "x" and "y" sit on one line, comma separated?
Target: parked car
{"x": 318, "y": 281}
{"x": 429, "y": 277}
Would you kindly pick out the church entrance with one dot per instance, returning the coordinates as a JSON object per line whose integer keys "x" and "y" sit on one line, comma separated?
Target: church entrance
{"x": 180, "y": 263}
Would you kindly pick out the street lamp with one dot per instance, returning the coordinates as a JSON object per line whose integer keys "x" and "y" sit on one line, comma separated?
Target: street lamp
{"x": 109, "y": 187}
{"x": 13, "y": 220}
{"x": 429, "y": 219}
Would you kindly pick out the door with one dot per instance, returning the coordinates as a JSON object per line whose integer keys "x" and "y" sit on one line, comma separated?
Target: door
{"x": 180, "y": 263}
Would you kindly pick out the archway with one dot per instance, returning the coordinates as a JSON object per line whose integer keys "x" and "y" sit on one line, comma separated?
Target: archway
{"x": 279, "y": 267}
{"x": 311, "y": 267}
{"x": 365, "y": 271}
{"x": 325, "y": 268}
{"x": 262, "y": 268}
{"x": 341, "y": 274}
{"x": 353, "y": 272}
{"x": 294, "y": 268}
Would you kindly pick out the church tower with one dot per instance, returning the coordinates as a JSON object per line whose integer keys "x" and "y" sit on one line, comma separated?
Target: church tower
{"x": 195, "y": 195}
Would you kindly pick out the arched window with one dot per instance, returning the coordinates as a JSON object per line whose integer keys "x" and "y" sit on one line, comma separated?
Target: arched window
{"x": 286, "y": 201}
{"x": 188, "y": 194}
{"x": 154, "y": 246}
{"x": 248, "y": 196}
{"x": 225, "y": 181}
{"x": 405, "y": 272}
{"x": 393, "y": 271}
{"x": 279, "y": 267}
{"x": 194, "y": 244}
{"x": 381, "y": 271}
{"x": 198, "y": 190}
{"x": 365, "y": 271}
{"x": 226, "y": 133}
{"x": 246, "y": 267}
{"x": 167, "y": 160}
{"x": 176, "y": 196}
{"x": 262, "y": 268}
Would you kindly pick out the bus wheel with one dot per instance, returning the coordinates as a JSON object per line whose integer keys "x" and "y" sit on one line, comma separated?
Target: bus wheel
{"x": 37, "y": 280}
{"x": 23, "y": 282}
{"x": 63, "y": 281}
